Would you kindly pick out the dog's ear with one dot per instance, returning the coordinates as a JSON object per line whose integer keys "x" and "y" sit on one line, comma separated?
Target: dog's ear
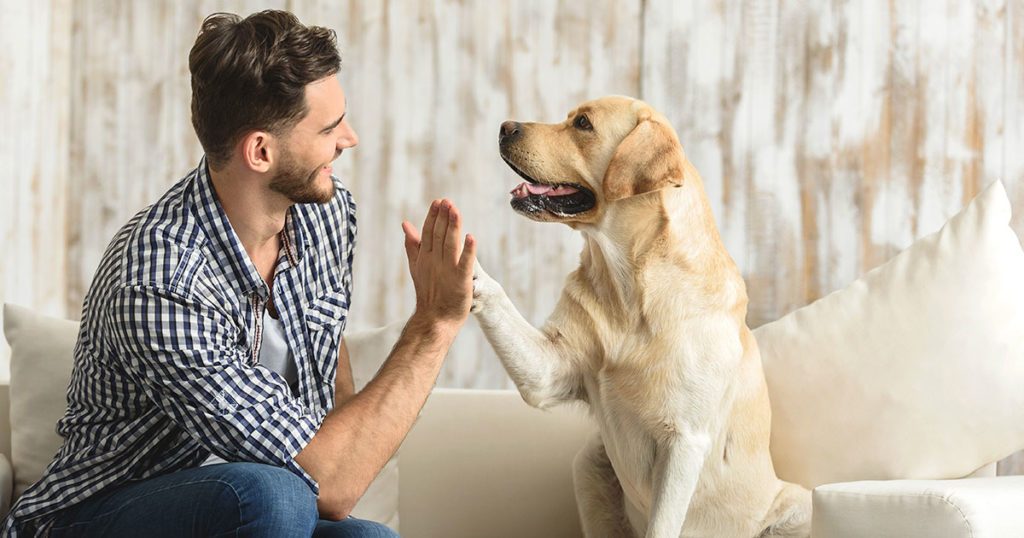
{"x": 650, "y": 158}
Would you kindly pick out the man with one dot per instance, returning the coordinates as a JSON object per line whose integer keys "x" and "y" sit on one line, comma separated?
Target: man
{"x": 211, "y": 391}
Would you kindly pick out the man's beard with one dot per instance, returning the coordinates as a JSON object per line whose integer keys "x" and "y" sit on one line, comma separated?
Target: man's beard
{"x": 297, "y": 185}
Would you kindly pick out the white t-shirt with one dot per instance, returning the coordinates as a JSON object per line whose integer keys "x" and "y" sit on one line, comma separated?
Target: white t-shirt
{"x": 275, "y": 356}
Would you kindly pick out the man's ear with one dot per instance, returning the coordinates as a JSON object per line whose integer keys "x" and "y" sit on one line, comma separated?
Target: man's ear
{"x": 258, "y": 152}
{"x": 648, "y": 159}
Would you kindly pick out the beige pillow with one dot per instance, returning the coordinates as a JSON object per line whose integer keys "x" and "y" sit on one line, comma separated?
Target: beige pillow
{"x": 916, "y": 370}
{"x": 367, "y": 350}
{"x": 41, "y": 358}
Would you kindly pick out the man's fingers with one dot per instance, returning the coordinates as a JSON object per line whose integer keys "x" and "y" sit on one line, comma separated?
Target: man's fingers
{"x": 412, "y": 241}
{"x": 411, "y": 234}
{"x": 440, "y": 229}
{"x": 427, "y": 239}
{"x": 468, "y": 260}
{"x": 452, "y": 245}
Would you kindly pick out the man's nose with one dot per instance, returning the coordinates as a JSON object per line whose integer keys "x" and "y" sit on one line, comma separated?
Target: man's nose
{"x": 348, "y": 139}
{"x": 510, "y": 131}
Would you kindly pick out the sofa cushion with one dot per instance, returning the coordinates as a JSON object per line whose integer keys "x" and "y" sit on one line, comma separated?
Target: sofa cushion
{"x": 968, "y": 508}
{"x": 913, "y": 371}
{"x": 367, "y": 350}
{"x": 484, "y": 463}
{"x": 41, "y": 353}
{"x": 42, "y": 350}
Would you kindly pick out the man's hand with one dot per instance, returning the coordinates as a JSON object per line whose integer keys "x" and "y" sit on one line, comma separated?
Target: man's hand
{"x": 361, "y": 433}
{"x": 441, "y": 265}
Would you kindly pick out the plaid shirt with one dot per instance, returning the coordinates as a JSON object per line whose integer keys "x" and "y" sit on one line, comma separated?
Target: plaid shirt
{"x": 166, "y": 369}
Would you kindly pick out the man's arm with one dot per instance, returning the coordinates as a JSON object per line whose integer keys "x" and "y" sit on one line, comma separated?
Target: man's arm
{"x": 357, "y": 438}
{"x": 344, "y": 385}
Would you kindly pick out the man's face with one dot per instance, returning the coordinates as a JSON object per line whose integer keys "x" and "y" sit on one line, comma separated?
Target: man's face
{"x": 304, "y": 170}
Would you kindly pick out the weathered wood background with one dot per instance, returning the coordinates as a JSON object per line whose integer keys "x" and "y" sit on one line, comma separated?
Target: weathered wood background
{"x": 829, "y": 134}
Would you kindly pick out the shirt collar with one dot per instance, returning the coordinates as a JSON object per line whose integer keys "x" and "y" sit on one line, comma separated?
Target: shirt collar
{"x": 292, "y": 237}
{"x": 231, "y": 256}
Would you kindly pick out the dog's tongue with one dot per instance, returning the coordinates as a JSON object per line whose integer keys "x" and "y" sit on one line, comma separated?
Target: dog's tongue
{"x": 525, "y": 189}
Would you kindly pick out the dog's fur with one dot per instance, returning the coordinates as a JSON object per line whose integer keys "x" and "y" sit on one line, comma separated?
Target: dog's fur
{"x": 650, "y": 332}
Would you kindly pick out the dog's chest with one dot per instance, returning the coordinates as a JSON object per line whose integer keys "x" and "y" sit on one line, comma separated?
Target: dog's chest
{"x": 631, "y": 400}
{"x": 644, "y": 388}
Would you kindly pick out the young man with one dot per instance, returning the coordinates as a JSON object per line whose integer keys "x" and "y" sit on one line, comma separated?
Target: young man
{"x": 211, "y": 392}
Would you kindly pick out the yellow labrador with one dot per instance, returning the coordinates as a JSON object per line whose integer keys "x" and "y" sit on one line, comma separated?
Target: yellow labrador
{"x": 650, "y": 332}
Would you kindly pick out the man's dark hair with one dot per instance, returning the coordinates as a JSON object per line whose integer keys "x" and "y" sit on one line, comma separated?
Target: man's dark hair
{"x": 251, "y": 74}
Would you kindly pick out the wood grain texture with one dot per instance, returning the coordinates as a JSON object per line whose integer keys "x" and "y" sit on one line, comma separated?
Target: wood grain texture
{"x": 829, "y": 135}
{"x": 34, "y": 137}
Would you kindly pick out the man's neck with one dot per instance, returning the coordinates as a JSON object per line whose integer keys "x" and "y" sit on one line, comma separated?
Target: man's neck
{"x": 256, "y": 213}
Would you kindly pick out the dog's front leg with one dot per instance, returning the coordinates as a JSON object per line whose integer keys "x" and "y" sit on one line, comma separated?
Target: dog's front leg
{"x": 535, "y": 363}
{"x": 678, "y": 460}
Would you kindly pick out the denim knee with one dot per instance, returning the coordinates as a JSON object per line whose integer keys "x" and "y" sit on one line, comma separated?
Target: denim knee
{"x": 272, "y": 501}
{"x": 353, "y": 528}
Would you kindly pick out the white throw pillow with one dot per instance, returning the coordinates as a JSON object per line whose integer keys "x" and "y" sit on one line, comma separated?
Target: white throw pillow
{"x": 42, "y": 350}
{"x": 41, "y": 356}
{"x": 367, "y": 350}
{"x": 916, "y": 370}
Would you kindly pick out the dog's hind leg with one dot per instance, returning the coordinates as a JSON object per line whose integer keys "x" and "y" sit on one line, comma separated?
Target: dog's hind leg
{"x": 790, "y": 514}
{"x": 599, "y": 496}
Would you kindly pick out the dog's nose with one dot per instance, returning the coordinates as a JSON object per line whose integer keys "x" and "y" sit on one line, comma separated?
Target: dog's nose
{"x": 510, "y": 130}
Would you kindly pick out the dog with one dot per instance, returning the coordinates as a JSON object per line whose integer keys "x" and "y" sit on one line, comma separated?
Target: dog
{"x": 649, "y": 332}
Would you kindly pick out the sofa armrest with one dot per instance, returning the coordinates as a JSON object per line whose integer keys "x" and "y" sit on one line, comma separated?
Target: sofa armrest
{"x": 965, "y": 507}
{"x": 6, "y": 485}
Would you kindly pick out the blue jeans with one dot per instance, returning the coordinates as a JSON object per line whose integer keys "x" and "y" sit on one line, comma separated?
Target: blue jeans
{"x": 228, "y": 499}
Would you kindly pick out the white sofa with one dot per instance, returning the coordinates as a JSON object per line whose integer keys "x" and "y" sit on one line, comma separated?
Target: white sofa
{"x": 483, "y": 463}
{"x": 883, "y": 393}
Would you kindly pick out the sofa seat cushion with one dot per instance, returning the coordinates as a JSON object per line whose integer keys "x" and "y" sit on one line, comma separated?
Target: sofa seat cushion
{"x": 967, "y": 508}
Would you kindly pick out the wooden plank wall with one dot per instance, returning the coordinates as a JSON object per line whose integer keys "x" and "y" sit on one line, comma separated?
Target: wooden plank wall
{"x": 34, "y": 140}
{"x": 829, "y": 134}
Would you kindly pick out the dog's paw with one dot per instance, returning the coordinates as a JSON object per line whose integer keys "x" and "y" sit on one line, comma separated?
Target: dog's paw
{"x": 484, "y": 289}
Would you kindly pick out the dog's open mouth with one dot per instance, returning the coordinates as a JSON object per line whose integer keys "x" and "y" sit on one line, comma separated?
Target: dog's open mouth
{"x": 562, "y": 199}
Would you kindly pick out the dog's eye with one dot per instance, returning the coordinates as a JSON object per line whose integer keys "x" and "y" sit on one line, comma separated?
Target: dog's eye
{"x": 582, "y": 123}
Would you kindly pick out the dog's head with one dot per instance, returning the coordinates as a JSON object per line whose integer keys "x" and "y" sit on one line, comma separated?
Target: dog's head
{"x": 606, "y": 150}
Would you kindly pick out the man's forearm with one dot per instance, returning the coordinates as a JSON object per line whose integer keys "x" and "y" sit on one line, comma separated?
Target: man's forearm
{"x": 357, "y": 438}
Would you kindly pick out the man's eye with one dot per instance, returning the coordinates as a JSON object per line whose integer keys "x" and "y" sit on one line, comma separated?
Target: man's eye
{"x": 583, "y": 124}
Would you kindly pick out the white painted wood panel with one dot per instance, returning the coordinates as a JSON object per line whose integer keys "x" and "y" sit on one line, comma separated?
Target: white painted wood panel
{"x": 829, "y": 134}
{"x": 34, "y": 137}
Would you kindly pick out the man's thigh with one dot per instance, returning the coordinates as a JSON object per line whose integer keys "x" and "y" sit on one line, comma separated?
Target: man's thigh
{"x": 352, "y": 528}
{"x": 227, "y": 499}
